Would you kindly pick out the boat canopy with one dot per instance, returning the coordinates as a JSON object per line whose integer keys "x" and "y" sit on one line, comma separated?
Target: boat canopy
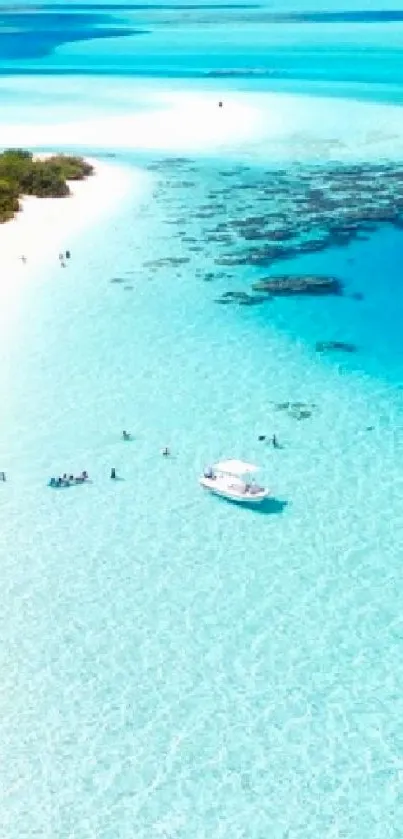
{"x": 235, "y": 467}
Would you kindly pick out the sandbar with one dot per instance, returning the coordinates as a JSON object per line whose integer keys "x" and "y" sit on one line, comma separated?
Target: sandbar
{"x": 259, "y": 125}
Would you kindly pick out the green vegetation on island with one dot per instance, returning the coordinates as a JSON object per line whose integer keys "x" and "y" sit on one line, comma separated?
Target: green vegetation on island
{"x": 22, "y": 174}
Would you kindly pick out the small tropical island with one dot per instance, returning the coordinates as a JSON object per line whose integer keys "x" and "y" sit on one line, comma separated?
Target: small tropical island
{"x": 23, "y": 174}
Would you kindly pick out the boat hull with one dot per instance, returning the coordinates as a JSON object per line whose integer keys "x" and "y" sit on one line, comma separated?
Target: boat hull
{"x": 234, "y": 493}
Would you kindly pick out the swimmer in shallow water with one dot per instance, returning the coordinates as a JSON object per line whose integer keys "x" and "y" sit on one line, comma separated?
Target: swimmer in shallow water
{"x": 165, "y": 452}
{"x": 126, "y": 435}
{"x": 113, "y": 473}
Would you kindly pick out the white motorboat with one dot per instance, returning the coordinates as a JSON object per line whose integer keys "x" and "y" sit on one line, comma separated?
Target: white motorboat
{"x": 231, "y": 479}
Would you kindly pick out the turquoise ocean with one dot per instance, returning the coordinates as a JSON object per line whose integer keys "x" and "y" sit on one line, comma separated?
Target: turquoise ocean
{"x": 174, "y": 666}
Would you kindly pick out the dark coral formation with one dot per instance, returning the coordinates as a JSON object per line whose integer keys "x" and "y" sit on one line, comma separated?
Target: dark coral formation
{"x": 247, "y": 219}
{"x": 255, "y": 216}
{"x": 289, "y": 284}
{"x": 305, "y": 210}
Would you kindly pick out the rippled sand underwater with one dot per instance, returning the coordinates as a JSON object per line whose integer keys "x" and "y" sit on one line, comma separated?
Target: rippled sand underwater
{"x": 172, "y": 660}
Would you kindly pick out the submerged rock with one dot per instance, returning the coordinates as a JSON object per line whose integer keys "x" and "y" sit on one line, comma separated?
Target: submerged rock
{"x": 296, "y": 410}
{"x": 289, "y": 284}
{"x": 242, "y": 298}
{"x": 166, "y": 261}
{"x": 344, "y": 346}
{"x": 254, "y": 300}
{"x": 300, "y": 413}
{"x": 236, "y": 295}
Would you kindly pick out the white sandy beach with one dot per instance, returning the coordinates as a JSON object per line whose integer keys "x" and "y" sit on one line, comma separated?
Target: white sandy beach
{"x": 46, "y": 226}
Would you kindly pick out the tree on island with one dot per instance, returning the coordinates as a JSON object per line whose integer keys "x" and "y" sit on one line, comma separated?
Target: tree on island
{"x": 22, "y": 174}
{"x": 9, "y": 204}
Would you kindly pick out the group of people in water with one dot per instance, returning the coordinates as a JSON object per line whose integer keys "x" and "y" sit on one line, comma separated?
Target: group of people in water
{"x": 74, "y": 480}
{"x": 66, "y": 480}
{"x": 69, "y": 480}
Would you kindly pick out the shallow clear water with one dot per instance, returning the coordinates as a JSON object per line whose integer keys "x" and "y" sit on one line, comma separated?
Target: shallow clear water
{"x": 172, "y": 665}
